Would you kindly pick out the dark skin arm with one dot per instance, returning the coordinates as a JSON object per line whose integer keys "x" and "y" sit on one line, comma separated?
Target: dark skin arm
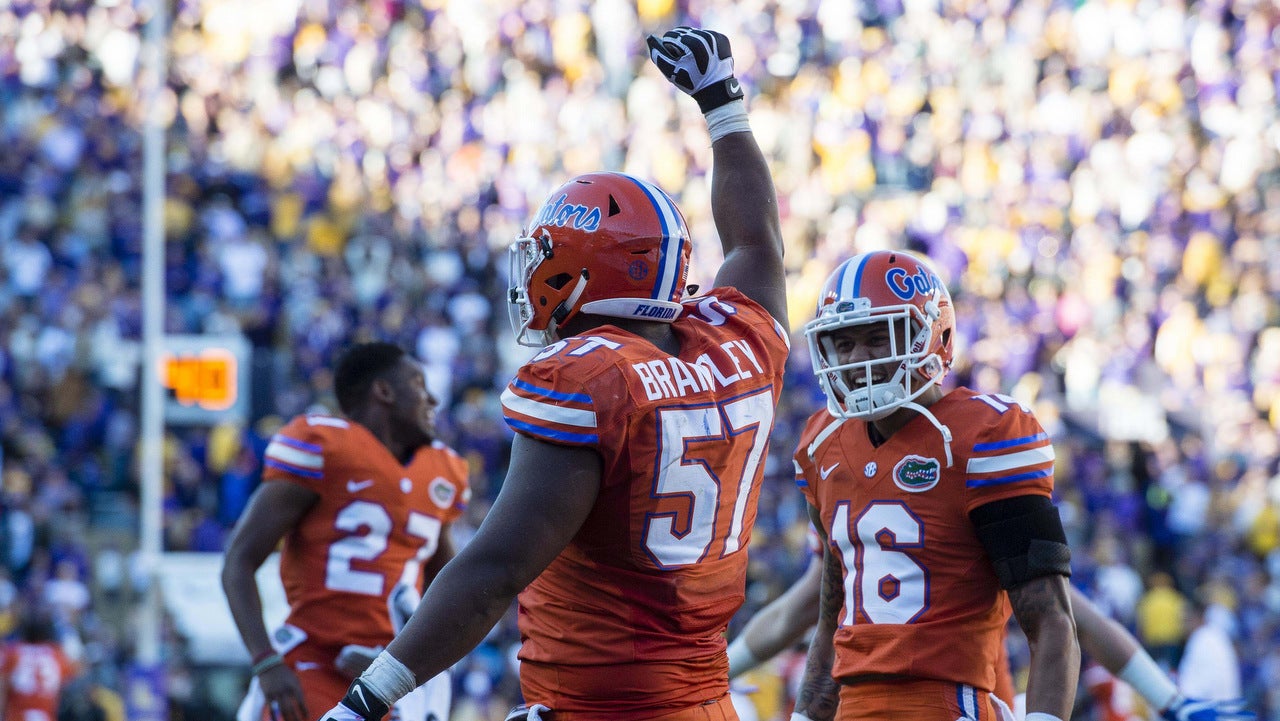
{"x": 508, "y": 552}
{"x": 819, "y": 693}
{"x": 274, "y": 510}
{"x": 1043, "y": 609}
{"x": 745, "y": 208}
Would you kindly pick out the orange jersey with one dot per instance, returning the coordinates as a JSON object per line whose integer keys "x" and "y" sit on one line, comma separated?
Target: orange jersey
{"x": 628, "y": 621}
{"x": 921, "y": 596}
{"x": 34, "y": 674}
{"x": 376, "y": 523}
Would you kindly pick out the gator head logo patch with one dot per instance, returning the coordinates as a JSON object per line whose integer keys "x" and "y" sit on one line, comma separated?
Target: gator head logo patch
{"x": 442, "y": 492}
{"x": 916, "y": 473}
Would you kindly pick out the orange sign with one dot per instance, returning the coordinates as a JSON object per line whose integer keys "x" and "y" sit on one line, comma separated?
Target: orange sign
{"x": 207, "y": 379}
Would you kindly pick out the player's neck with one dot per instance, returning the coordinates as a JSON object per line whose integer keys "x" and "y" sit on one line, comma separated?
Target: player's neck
{"x": 379, "y": 425}
{"x": 658, "y": 333}
{"x": 883, "y": 429}
{"x": 661, "y": 335}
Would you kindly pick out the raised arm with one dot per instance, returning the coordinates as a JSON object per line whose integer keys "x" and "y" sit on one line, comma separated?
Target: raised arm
{"x": 700, "y": 63}
{"x": 274, "y": 510}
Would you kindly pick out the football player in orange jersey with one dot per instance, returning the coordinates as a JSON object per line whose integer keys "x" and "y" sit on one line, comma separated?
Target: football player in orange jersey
{"x": 363, "y": 503}
{"x": 33, "y": 670}
{"x": 785, "y": 620}
{"x": 935, "y": 512}
{"x": 641, "y": 429}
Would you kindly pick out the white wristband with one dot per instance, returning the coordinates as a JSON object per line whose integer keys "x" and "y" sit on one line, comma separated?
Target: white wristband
{"x": 799, "y": 717}
{"x": 728, "y": 118}
{"x": 741, "y": 659}
{"x": 1149, "y": 680}
{"x": 388, "y": 679}
{"x": 1041, "y": 716}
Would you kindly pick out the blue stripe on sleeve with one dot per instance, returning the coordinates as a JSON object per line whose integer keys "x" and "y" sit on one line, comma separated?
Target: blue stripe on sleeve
{"x": 553, "y": 434}
{"x": 305, "y": 473}
{"x": 548, "y": 393}
{"x": 300, "y": 445}
{"x": 997, "y": 445}
{"x": 1045, "y": 473}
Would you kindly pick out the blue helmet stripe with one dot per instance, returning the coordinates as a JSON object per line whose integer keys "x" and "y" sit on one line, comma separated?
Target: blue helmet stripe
{"x": 848, "y": 285}
{"x": 857, "y": 277}
{"x": 672, "y": 248}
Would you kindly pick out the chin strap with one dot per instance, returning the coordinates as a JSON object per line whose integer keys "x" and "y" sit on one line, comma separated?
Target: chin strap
{"x": 945, "y": 431}
{"x": 563, "y": 310}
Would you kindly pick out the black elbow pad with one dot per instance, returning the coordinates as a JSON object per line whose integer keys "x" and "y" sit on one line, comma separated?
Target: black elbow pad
{"x": 1024, "y": 539}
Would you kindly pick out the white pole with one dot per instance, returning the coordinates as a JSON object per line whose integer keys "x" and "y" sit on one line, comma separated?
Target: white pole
{"x": 150, "y": 542}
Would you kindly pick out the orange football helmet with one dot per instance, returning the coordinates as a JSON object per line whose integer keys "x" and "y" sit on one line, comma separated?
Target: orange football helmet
{"x": 904, "y": 294}
{"x": 603, "y": 243}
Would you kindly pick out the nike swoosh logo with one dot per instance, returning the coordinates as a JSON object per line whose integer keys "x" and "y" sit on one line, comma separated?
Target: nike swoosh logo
{"x": 353, "y": 486}
{"x": 824, "y": 472}
{"x": 733, "y": 86}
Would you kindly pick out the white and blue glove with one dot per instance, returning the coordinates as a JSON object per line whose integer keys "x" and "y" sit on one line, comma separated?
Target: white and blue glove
{"x": 698, "y": 62}
{"x": 1189, "y": 709}
{"x": 360, "y": 704}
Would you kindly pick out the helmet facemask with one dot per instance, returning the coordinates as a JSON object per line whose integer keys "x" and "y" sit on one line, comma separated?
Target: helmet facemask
{"x": 524, "y": 256}
{"x": 873, "y": 389}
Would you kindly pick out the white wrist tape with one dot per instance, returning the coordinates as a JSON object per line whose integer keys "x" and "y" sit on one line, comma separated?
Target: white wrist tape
{"x": 741, "y": 659}
{"x": 388, "y": 679}
{"x": 1041, "y": 716}
{"x": 799, "y": 717}
{"x": 1149, "y": 680}
{"x": 728, "y": 118}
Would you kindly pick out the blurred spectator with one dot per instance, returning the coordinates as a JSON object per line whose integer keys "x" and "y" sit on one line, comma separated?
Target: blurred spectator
{"x": 1162, "y": 617}
{"x": 1210, "y": 668}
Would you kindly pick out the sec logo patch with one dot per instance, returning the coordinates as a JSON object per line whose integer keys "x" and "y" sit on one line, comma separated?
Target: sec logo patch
{"x": 915, "y": 474}
{"x": 638, "y": 270}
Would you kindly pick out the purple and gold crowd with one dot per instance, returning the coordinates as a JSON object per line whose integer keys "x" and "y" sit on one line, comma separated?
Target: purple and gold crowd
{"x": 1099, "y": 180}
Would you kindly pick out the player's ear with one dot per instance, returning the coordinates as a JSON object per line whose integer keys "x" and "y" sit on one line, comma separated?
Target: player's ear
{"x": 382, "y": 390}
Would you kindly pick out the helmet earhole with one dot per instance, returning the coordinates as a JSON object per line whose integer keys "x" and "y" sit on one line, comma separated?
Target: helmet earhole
{"x": 542, "y": 300}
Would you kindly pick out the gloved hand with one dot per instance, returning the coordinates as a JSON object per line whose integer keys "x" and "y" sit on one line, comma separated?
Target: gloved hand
{"x": 360, "y": 704}
{"x": 341, "y": 713}
{"x": 527, "y": 713}
{"x": 699, "y": 62}
{"x": 1188, "y": 709}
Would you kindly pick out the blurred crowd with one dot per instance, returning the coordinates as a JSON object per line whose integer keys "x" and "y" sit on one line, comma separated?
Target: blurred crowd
{"x": 1099, "y": 181}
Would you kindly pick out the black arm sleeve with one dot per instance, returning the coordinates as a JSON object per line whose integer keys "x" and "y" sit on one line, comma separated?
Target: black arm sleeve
{"x": 1024, "y": 538}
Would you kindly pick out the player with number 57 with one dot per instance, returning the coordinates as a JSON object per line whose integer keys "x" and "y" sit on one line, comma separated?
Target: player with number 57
{"x": 935, "y": 512}
{"x": 641, "y": 430}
